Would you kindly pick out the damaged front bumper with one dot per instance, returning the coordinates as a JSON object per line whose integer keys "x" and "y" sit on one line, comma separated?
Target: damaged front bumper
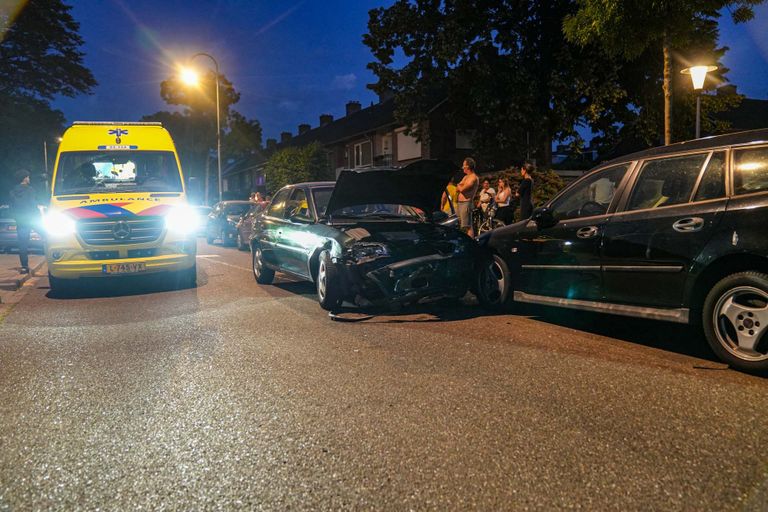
{"x": 416, "y": 279}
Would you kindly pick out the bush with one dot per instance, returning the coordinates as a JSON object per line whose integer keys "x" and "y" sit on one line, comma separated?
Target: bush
{"x": 296, "y": 165}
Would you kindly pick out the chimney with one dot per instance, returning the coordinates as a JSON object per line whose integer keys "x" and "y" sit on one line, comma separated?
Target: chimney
{"x": 352, "y": 107}
{"x": 271, "y": 144}
{"x": 325, "y": 119}
{"x": 285, "y": 137}
{"x": 304, "y": 128}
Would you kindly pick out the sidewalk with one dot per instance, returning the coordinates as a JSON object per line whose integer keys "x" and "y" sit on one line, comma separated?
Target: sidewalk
{"x": 10, "y": 278}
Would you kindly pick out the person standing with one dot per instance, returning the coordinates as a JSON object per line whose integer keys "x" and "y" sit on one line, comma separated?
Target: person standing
{"x": 525, "y": 192}
{"x": 505, "y": 213}
{"x": 467, "y": 188}
{"x": 486, "y": 194}
{"x": 24, "y": 209}
{"x": 450, "y": 196}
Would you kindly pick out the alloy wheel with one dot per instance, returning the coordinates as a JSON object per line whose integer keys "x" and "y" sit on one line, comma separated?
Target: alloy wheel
{"x": 322, "y": 275}
{"x": 740, "y": 318}
{"x": 492, "y": 282}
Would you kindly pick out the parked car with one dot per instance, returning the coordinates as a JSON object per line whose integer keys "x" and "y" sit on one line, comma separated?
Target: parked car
{"x": 222, "y": 221}
{"x": 369, "y": 239}
{"x": 8, "y": 239}
{"x": 244, "y": 226}
{"x": 202, "y": 213}
{"x": 674, "y": 233}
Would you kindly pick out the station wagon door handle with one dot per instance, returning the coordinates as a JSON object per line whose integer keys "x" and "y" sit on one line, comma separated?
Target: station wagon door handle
{"x": 688, "y": 225}
{"x": 587, "y": 232}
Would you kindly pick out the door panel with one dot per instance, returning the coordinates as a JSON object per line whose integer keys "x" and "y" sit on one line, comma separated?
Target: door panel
{"x": 564, "y": 260}
{"x": 648, "y": 250}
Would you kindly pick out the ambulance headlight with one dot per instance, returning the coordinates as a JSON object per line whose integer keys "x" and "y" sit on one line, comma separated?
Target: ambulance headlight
{"x": 58, "y": 225}
{"x": 182, "y": 220}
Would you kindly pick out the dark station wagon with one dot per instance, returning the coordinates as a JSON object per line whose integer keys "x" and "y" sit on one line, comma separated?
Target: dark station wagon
{"x": 675, "y": 233}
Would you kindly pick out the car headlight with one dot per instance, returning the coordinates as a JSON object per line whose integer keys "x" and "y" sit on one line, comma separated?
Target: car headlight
{"x": 182, "y": 220}
{"x": 369, "y": 251}
{"x": 58, "y": 224}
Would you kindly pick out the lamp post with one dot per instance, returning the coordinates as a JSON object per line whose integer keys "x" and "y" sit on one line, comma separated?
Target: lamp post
{"x": 190, "y": 77}
{"x": 698, "y": 75}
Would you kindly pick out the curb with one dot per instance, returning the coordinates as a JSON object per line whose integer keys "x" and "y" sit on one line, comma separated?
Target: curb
{"x": 14, "y": 284}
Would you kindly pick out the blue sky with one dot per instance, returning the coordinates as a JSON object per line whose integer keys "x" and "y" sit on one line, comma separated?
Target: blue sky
{"x": 290, "y": 60}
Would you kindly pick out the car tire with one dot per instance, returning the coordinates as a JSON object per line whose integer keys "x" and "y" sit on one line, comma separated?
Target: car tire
{"x": 187, "y": 278}
{"x": 328, "y": 285}
{"x": 261, "y": 273}
{"x": 735, "y": 320}
{"x": 58, "y": 287}
{"x": 493, "y": 286}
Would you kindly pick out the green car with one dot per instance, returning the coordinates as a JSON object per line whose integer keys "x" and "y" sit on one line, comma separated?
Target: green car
{"x": 373, "y": 238}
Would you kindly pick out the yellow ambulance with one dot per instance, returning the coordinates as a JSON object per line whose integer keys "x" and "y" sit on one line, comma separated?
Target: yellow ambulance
{"x": 118, "y": 206}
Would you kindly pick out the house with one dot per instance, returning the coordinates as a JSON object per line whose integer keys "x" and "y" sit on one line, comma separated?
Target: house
{"x": 371, "y": 137}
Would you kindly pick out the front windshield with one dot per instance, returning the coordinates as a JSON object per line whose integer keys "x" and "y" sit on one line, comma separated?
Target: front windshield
{"x": 88, "y": 172}
{"x": 373, "y": 210}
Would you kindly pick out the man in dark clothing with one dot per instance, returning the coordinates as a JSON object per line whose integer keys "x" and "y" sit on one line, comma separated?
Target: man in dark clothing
{"x": 24, "y": 210}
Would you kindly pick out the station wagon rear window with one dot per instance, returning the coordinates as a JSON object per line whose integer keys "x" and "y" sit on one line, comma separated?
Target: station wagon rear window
{"x": 750, "y": 172}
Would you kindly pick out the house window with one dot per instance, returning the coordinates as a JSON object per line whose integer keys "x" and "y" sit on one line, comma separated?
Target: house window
{"x": 363, "y": 154}
{"x": 407, "y": 147}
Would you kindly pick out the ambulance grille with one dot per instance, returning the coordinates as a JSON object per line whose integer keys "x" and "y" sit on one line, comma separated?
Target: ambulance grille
{"x": 108, "y": 232}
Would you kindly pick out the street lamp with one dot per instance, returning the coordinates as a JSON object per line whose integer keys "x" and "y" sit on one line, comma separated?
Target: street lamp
{"x": 190, "y": 77}
{"x": 698, "y": 75}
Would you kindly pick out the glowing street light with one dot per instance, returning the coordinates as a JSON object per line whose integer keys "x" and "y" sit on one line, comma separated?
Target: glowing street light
{"x": 190, "y": 77}
{"x": 698, "y": 75}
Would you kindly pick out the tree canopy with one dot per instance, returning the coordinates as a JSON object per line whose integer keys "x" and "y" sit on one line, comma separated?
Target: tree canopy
{"x": 680, "y": 33}
{"x": 40, "y": 58}
{"x": 510, "y": 73}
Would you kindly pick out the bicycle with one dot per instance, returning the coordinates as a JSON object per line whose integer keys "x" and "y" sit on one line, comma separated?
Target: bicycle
{"x": 489, "y": 221}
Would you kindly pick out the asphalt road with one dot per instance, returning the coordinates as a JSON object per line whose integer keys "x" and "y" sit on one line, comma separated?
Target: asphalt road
{"x": 239, "y": 396}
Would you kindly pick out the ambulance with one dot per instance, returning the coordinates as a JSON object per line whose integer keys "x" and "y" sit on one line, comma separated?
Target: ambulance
{"x": 118, "y": 206}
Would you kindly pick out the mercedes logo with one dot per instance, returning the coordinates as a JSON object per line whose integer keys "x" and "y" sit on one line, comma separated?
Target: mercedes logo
{"x": 121, "y": 230}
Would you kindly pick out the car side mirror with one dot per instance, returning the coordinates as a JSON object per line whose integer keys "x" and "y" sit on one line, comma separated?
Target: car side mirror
{"x": 543, "y": 217}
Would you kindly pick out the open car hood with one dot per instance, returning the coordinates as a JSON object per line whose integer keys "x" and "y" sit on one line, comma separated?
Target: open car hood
{"x": 420, "y": 184}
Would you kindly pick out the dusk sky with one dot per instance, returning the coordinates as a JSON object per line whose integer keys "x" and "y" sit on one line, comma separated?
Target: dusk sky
{"x": 291, "y": 61}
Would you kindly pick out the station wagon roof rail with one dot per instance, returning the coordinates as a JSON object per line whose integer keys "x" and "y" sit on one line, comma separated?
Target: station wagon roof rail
{"x": 730, "y": 139}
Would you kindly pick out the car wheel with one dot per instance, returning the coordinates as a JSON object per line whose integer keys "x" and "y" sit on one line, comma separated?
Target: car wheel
{"x": 262, "y": 274}
{"x": 328, "y": 287}
{"x": 735, "y": 320}
{"x": 494, "y": 286}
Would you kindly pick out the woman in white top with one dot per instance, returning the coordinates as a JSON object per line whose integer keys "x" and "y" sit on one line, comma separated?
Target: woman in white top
{"x": 505, "y": 213}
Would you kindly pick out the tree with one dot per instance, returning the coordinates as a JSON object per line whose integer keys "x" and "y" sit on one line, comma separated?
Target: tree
{"x": 631, "y": 28}
{"x": 243, "y": 137}
{"x": 297, "y": 164}
{"x": 40, "y": 58}
{"x": 194, "y": 129}
{"x": 504, "y": 67}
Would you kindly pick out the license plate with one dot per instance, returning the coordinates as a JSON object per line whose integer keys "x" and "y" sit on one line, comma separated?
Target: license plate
{"x": 123, "y": 268}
